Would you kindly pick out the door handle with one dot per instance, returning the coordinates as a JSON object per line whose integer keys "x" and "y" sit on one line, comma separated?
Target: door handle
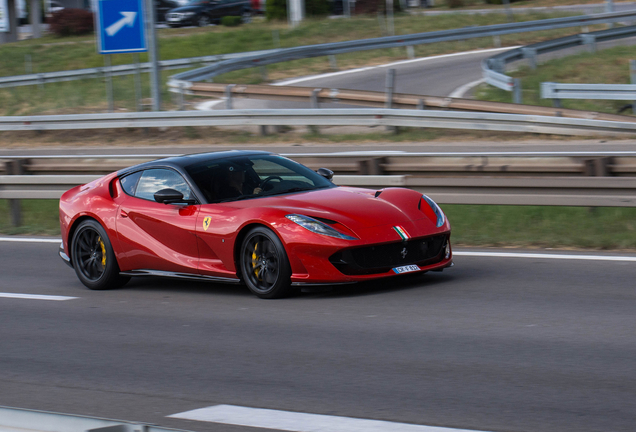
{"x": 123, "y": 213}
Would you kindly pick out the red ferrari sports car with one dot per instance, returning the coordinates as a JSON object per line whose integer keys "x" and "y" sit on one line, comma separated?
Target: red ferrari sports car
{"x": 247, "y": 217}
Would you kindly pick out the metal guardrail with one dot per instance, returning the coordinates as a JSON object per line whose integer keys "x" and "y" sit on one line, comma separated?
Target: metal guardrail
{"x": 16, "y": 419}
{"x": 493, "y": 68}
{"x": 127, "y": 69}
{"x": 183, "y": 80}
{"x": 325, "y": 117}
{"x": 553, "y": 191}
{"x": 558, "y": 91}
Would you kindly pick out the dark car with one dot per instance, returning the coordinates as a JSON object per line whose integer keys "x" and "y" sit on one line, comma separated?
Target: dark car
{"x": 204, "y": 12}
{"x": 163, "y": 6}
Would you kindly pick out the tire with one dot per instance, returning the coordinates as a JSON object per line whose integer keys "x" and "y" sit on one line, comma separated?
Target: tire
{"x": 93, "y": 257}
{"x": 264, "y": 264}
{"x": 203, "y": 21}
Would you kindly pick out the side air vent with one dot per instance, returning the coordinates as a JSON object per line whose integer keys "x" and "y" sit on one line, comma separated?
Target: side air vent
{"x": 377, "y": 193}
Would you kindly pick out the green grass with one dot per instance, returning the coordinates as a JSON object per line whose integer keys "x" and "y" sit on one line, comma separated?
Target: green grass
{"x": 38, "y": 217}
{"x": 55, "y": 54}
{"x": 610, "y": 66}
{"x": 473, "y": 225}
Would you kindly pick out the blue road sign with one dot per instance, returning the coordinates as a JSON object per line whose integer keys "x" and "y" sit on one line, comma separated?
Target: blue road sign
{"x": 120, "y": 26}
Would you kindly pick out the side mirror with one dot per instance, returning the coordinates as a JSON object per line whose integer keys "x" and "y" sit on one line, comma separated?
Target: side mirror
{"x": 171, "y": 196}
{"x": 326, "y": 173}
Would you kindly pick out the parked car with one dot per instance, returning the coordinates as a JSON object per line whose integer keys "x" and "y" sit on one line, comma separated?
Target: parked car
{"x": 249, "y": 217}
{"x": 163, "y": 6}
{"x": 204, "y": 12}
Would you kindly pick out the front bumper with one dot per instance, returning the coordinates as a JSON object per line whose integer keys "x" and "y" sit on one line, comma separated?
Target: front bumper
{"x": 64, "y": 257}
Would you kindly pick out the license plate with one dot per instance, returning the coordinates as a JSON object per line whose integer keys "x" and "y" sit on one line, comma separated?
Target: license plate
{"x": 406, "y": 269}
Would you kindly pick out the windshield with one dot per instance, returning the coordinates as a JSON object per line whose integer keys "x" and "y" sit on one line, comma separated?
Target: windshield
{"x": 246, "y": 177}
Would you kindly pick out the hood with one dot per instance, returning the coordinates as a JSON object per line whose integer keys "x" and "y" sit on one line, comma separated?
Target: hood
{"x": 353, "y": 207}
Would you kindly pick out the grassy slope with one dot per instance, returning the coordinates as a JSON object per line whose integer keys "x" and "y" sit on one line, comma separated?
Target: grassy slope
{"x": 556, "y": 227}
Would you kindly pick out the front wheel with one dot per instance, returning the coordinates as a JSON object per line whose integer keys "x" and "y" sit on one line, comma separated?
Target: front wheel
{"x": 93, "y": 257}
{"x": 264, "y": 264}
{"x": 203, "y": 21}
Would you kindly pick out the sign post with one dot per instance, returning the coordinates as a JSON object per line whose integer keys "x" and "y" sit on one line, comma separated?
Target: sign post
{"x": 121, "y": 28}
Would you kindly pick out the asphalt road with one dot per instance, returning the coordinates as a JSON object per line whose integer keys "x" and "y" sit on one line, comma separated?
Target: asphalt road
{"x": 500, "y": 344}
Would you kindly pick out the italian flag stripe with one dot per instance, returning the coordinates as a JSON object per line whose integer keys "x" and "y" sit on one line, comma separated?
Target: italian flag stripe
{"x": 402, "y": 232}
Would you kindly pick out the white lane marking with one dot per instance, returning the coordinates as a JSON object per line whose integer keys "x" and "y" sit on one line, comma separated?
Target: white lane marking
{"x": 30, "y": 240}
{"x": 208, "y": 105}
{"x": 461, "y": 90}
{"x": 300, "y": 422}
{"x": 547, "y": 256}
{"x": 36, "y": 297}
{"x": 398, "y": 63}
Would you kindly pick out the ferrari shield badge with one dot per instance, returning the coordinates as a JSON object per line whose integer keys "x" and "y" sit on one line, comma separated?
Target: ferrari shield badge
{"x": 206, "y": 223}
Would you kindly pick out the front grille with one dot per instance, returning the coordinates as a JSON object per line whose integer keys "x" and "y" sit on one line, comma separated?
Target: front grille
{"x": 383, "y": 257}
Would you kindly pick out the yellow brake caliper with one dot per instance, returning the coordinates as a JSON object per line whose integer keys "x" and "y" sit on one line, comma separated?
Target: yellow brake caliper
{"x": 257, "y": 270}
{"x": 103, "y": 246}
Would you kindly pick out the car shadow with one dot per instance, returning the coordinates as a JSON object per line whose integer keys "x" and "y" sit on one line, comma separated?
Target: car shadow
{"x": 430, "y": 280}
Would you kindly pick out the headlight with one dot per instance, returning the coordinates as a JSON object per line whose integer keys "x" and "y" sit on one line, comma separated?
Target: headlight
{"x": 188, "y": 14}
{"x": 317, "y": 227}
{"x": 438, "y": 211}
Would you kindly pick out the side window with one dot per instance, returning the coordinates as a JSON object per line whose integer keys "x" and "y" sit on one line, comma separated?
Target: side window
{"x": 129, "y": 183}
{"x": 153, "y": 180}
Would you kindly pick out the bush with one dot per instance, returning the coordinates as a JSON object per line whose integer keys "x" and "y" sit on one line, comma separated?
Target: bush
{"x": 316, "y": 7}
{"x": 71, "y": 21}
{"x": 276, "y": 9}
{"x": 231, "y": 21}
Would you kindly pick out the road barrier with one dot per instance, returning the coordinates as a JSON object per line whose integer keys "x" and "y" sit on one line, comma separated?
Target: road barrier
{"x": 183, "y": 79}
{"x": 327, "y": 117}
{"x": 558, "y": 91}
{"x": 493, "y": 68}
{"x": 14, "y": 419}
{"x": 551, "y": 191}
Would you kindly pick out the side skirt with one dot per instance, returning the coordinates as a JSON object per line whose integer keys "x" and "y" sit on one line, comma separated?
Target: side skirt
{"x": 190, "y": 276}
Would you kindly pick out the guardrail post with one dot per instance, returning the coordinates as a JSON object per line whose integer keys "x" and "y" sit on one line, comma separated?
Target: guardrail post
{"x": 138, "y": 91}
{"x": 332, "y": 62}
{"x": 181, "y": 90}
{"x": 516, "y": 91}
{"x": 41, "y": 81}
{"x": 109, "y": 83}
{"x": 372, "y": 166}
{"x": 314, "y": 98}
{"x": 410, "y": 52}
{"x": 548, "y": 92}
{"x": 228, "y": 96}
{"x": 597, "y": 167}
{"x": 531, "y": 55}
{"x": 264, "y": 73}
{"x": 390, "y": 86}
{"x": 496, "y": 41}
{"x": 590, "y": 41}
{"x": 15, "y": 167}
{"x": 632, "y": 75}
{"x": 314, "y": 104}
{"x": 420, "y": 104}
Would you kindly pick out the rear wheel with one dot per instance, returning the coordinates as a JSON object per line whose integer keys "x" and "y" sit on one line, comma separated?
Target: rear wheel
{"x": 93, "y": 257}
{"x": 264, "y": 264}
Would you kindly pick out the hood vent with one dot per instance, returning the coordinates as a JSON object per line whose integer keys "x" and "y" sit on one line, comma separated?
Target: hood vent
{"x": 377, "y": 193}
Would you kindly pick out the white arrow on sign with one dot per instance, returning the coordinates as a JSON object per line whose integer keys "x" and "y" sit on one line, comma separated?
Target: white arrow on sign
{"x": 128, "y": 19}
